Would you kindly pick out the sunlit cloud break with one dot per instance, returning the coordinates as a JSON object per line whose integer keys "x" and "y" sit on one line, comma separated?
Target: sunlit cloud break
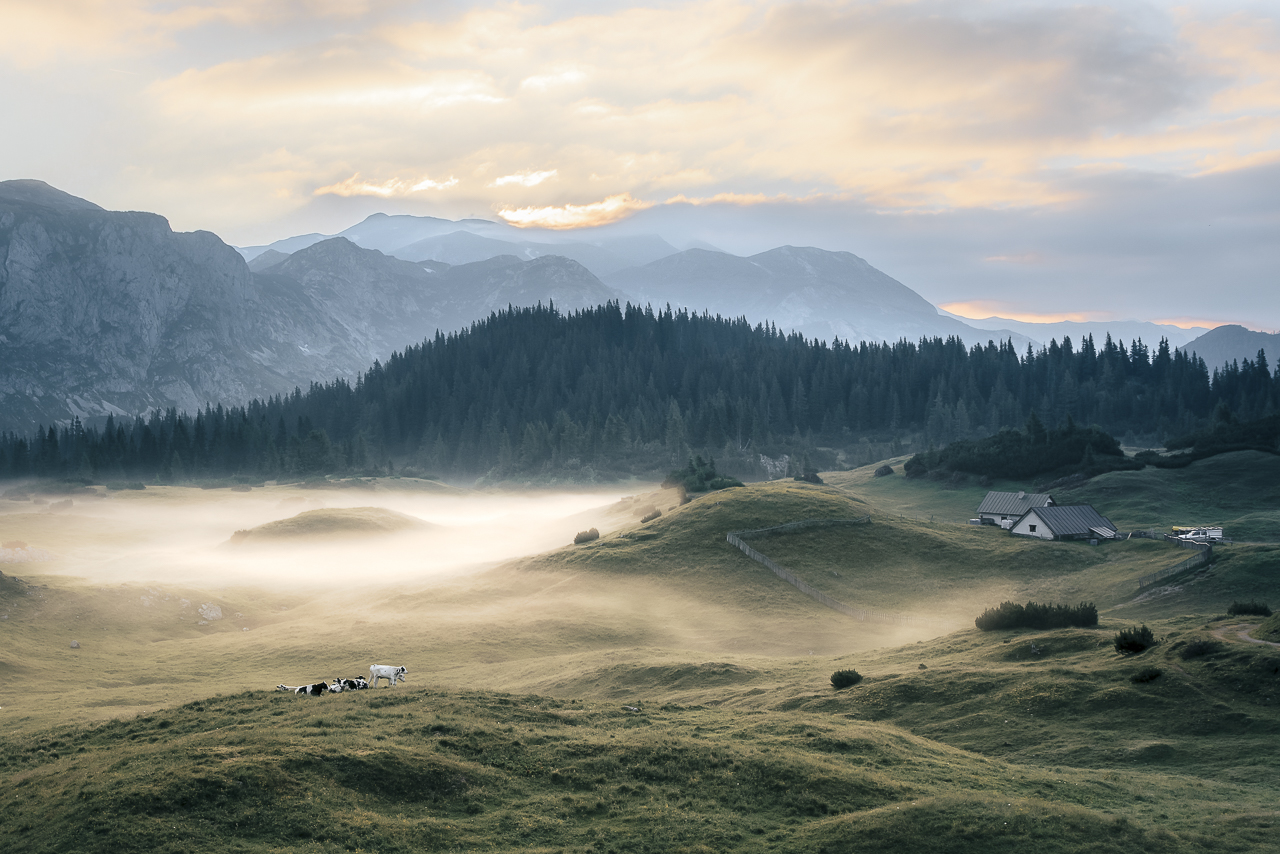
{"x": 609, "y": 210}
{"x": 525, "y": 179}
{"x": 353, "y": 186}
{"x": 983, "y": 309}
{"x": 728, "y": 199}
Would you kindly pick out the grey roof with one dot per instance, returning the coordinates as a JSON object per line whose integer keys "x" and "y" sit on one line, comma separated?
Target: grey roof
{"x": 1013, "y": 503}
{"x": 1073, "y": 519}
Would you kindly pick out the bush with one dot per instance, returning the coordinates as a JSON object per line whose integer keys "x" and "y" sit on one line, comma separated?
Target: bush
{"x": 883, "y": 471}
{"x": 649, "y": 517}
{"x": 1022, "y": 455}
{"x": 586, "y": 536}
{"x": 845, "y": 679}
{"x": 1134, "y": 640}
{"x": 699, "y": 476}
{"x": 1033, "y": 615}
{"x": 1198, "y": 648}
{"x": 1147, "y": 674}
{"x": 1250, "y": 608}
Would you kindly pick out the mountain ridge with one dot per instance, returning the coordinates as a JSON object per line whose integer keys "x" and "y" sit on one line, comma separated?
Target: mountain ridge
{"x": 1233, "y": 343}
{"x": 112, "y": 312}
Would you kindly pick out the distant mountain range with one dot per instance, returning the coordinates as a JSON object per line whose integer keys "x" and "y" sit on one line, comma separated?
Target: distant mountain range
{"x": 818, "y": 293}
{"x": 822, "y": 294}
{"x": 1127, "y": 331}
{"x": 113, "y": 312}
{"x": 425, "y": 238}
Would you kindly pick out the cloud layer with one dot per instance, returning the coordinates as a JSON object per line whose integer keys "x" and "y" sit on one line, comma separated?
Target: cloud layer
{"x": 245, "y": 118}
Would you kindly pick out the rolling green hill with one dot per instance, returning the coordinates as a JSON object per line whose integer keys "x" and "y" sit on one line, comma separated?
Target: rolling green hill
{"x": 336, "y": 522}
{"x": 418, "y": 770}
{"x": 159, "y": 733}
{"x": 1240, "y": 491}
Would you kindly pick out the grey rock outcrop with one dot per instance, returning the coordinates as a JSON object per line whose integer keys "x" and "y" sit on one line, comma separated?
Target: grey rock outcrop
{"x": 113, "y": 312}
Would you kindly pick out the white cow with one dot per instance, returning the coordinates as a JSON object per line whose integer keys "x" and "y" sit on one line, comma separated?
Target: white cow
{"x": 387, "y": 672}
{"x": 315, "y": 689}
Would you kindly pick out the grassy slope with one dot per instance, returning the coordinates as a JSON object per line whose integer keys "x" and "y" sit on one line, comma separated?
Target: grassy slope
{"x": 1240, "y": 491}
{"x": 426, "y": 770}
{"x": 988, "y": 748}
{"x": 339, "y": 521}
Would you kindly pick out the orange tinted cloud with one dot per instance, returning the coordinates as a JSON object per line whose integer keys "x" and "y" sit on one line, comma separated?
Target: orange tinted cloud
{"x": 353, "y": 186}
{"x": 920, "y": 106}
{"x": 611, "y": 209}
{"x": 982, "y": 309}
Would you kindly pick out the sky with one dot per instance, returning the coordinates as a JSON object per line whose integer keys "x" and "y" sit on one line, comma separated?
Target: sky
{"x": 1036, "y": 160}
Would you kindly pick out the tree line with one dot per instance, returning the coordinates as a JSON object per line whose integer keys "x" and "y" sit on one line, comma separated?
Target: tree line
{"x": 530, "y": 393}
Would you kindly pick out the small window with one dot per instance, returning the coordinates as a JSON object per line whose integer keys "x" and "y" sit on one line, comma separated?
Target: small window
{"x": 1033, "y": 528}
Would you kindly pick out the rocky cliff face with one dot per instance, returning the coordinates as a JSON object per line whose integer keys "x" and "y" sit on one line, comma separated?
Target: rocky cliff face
{"x": 113, "y": 312}
{"x": 105, "y": 311}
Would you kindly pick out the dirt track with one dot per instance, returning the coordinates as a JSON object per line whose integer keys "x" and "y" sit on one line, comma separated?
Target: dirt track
{"x": 1241, "y": 632}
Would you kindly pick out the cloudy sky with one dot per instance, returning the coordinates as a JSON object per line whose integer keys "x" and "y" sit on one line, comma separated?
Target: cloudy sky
{"x": 1028, "y": 159}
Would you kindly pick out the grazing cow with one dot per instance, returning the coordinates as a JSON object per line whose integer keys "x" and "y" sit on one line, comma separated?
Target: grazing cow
{"x": 387, "y": 672}
{"x": 315, "y": 689}
{"x": 340, "y": 685}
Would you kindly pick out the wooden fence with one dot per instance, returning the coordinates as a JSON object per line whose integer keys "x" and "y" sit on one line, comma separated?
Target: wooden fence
{"x": 1204, "y": 557}
{"x": 738, "y": 540}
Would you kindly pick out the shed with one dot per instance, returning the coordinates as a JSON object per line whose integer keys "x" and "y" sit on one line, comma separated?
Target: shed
{"x": 1066, "y": 522}
{"x": 1008, "y": 507}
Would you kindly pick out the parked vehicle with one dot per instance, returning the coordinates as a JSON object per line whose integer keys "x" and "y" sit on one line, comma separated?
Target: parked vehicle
{"x": 1198, "y": 534}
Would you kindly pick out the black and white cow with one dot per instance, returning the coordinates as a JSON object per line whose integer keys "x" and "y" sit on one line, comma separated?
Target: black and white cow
{"x": 340, "y": 685}
{"x": 387, "y": 672}
{"x": 315, "y": 689}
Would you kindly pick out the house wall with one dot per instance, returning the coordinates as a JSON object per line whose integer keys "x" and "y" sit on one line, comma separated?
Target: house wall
{"x": 1029, "y": 521}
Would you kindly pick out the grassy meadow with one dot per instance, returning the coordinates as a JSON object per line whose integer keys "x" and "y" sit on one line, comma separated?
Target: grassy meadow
{"x": 652, "y": 690}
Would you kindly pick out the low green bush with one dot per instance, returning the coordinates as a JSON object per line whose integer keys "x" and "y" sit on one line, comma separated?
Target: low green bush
{"x": 1147, "y": 674}
{"x": 1033, "y": 615}
{"x": 1198, "y": 648}
{"x": 845, "y": 679}
{"x": 699, "y": 476}
{"x": 1250, "y": 608}
{"x": 586, "y": 536}
{"x": 1134, "y": 640}
{"x": 649, "y": 517}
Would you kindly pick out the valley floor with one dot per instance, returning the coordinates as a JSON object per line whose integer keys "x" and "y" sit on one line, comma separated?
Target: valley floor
{"x": 654, "y": 690}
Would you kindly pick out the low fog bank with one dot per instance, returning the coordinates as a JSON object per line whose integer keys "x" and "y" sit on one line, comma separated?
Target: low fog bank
{"x": 177, "y": 534}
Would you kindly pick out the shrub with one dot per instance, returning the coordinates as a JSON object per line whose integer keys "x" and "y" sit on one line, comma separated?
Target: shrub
{"x": 1134, "y": 640}
{"x": 586, "y": 536}
{"x": 1033, "y": 615}
{"x": 845, "y": 679}
{"x": 649, "y": 517}
{"x": 1250, "y": 608}
{"x": 699, "y": 476}
{"x": 883, "y": 471}
{"x": 1147, "y": 674}
{"x": 1198, "y": 648}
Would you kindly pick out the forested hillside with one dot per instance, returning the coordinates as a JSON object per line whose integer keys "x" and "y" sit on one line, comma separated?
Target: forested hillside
{"x": 531, "y": 393}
